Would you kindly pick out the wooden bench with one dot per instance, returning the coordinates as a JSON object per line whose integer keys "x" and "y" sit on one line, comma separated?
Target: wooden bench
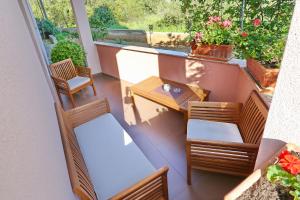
{"x": 102, "y": 159}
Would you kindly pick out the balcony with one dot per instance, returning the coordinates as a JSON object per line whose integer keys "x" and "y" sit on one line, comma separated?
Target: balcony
{"x": 161, "y": 132}
{"x": 161, "y": 135}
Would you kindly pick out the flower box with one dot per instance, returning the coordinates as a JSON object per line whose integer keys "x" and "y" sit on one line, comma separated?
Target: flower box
{"x": 257, "y": 175}
{"x": 266, "y": 77}
{"x": 212, "y": 52}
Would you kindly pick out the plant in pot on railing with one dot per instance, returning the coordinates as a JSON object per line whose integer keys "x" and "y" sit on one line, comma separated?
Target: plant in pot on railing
{"x": 68, "y": 49}
{"x": 263, "y": 48}
{"x": 278, "y": 179}
{"x": 215, "y": 40}
{"x": 286, "y": 174}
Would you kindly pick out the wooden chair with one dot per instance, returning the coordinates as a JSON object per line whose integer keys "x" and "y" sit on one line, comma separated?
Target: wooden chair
{"x": 225, "y": 137}
{"x": 69, "y": 79}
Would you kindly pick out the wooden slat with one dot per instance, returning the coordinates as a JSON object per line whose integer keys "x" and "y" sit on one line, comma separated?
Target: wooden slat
{"x": 214, "y": 111}
{"x": 153, "y": 187}
{"x": 64, "y": 69}
{"x": 83, "y": 114}
{"x": 217, "y": 157}
{"x": 253, "y": 119}
{"x": 78, "y": 173}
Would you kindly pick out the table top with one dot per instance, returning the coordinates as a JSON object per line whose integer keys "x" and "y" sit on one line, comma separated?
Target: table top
{"x": 151, "y": 89}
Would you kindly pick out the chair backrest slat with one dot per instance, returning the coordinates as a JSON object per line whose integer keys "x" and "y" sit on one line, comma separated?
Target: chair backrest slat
{"x": 253, "y": 118}
{"x": 80, "y": 180}
{"x": 229, "y": 112}
{"x": 64, "y": 69}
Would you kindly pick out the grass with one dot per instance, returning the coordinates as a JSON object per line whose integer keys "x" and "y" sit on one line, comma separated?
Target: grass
{"x": 143, "y": 24}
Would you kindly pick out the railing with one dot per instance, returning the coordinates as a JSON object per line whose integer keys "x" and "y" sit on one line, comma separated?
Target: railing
{"x": 228, "y": 81}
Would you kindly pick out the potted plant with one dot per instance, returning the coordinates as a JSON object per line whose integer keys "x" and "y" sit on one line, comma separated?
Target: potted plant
{"x": 279, "y": 178}
{"x": 214, "y": 41}
{"x": 263, "y": 48}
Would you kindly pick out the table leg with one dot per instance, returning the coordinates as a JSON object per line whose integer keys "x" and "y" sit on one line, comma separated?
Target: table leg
{"x": 133, "y": 98}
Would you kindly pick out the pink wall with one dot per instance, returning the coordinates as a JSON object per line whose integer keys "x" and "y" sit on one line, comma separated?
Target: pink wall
{"x": 227, "y": 82}
{"x": 245, "y": 84}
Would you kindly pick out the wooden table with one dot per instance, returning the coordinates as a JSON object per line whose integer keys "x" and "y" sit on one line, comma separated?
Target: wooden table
{"x": 151, "y": 90}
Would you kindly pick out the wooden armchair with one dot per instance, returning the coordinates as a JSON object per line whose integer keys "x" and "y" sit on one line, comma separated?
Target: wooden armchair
{"x": 225, "y": 137}
{"x": 69, "y": 79}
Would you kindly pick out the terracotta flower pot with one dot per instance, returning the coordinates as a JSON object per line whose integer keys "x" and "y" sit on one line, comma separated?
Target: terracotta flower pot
{"x": 266, "y": 77}
{"x": 256, "y": 175}
{"x": 212, "y": 52}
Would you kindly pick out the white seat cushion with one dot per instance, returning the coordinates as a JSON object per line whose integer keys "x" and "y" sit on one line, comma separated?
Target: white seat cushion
{"x": 113, "y": 160}
{"x": 77, "y": 81}
{"x": 213, "y": 131}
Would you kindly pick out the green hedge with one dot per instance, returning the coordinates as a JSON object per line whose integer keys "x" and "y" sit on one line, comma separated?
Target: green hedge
{"x": 67, "y": 49}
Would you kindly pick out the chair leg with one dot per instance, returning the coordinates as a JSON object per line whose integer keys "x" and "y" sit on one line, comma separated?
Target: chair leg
{"x": 188, "y": 167}
{"x": 93, "y": 86}
{"x": 189, "y": 175}
{"x": 186, "y": 119}
{"x": 59, "y": 97}
{"x": 72, "y": 100}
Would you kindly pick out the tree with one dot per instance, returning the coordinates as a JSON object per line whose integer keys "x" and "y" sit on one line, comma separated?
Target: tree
{"x": 42, "y": 7}
{"x": 102, "y": 18}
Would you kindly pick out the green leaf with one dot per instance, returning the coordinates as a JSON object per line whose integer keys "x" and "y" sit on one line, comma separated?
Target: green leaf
{"x": 68, "y": 49}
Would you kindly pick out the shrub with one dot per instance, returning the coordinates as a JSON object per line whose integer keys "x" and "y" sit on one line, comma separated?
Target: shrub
{"x": 67, "y": 49}
{"x": 67, "y": 35}
{"x": 170, "y": 20}
{"x": 118, "y": 26}
{"x": 102, "y": 18}
{"x": 46, "y": 28}
{"x": 61, "y": 36}
{"x": 99, "y": 34}
{"x": 259, "y": 42}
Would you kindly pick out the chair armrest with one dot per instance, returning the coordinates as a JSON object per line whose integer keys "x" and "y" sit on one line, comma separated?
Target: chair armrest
{"x": 225, "y": 157}
{"x": 85, "y": 113}
{"x": 60, "y": 83}
{"x": 155, "y": 184}
{"x": 235, "y": 146}
{"x": 215, "y": 111}
{"x": 84, "y": 71}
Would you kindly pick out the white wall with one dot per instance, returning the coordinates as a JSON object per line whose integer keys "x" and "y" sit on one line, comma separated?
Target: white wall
{"x": 85, "y": 34}
{"x": 32, "y": 163}
{"x": 283, "y": 123}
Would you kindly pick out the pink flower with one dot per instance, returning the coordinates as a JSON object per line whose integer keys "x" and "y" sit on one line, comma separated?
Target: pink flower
{"x": 209, "y": 22}
{"x": 256, "y": 22}
{"x": 227, "y": 23}
{"x": 244, "y": 34}
{"x": 198, "y": 36}
{"x": 213, "y": 19}
{"x": 216, "y": 18}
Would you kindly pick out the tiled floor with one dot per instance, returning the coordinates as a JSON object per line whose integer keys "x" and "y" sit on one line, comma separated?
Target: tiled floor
{"x": 160, "y": 133}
